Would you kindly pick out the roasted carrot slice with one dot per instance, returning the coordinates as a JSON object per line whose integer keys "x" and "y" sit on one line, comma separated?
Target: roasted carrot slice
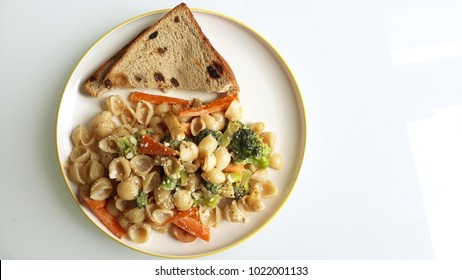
{"x": 109, "y": 221}
{"x": 194, "y": 227}
{"x": 233, "y": 168}
{"x": 157, "y": 99}
{"x": 216, "y": 105}
{"x": 97, "y": 208}
{"x": 149, "y": 146}
{"x": 181, "y": 214}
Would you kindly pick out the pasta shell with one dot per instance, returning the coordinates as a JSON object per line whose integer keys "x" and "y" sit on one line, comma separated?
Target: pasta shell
{"x": 215, "y": 121}
{"x": 183, "y": 200}
{"x": 94, "y": 170}
{"x": 234, "y": 111}
{"x": 257, "y": 127}
{"x": 233, "y": 213}
{"x": 127, "y": 116}
{"x": 227, "y": 191}
{"x": 141, "y": 164}
{"x": 151, "y": 181}
{"x": 105, "y": 158}
{"x": 161, "y": 109}
{"x": 75, "y": 173}
{"x": 82, "y": 135}
{"x": 197, "y": 124}
{"x": 252, "y": 202}
{"x": 209, "y": 162}
{"x": 163, "y": 198}
{"x": 139, "y": 232}
{"x": 192, "y": 182}
{"x": 161, "y": 229}
{"x": 103, "y": 124}
{"x": 108, "y": 145}
{"x": 172, "y": 167}
{"x": 269, "y": 138}
{"x": 156, "y": 125}
{"x": 121, "y": 131}
{"x": 188, "y": 151}
{"x": 210, "y": 217}
{"x": 191, "y": 167}
{"x": 223, "y": 158}
{"x": 260, "y": 175}
{"x": 101, "y": 189}
{"x": 76, "y": 135}
{"x": 122, "y": 204}
{"x": 144, "y": 112}
{"x": 159, "y": 216}
{"x": 80, "y": 154}
{"x": 119, "y": 169}
{"x": 135, "y": 215}
{"x": 276, "y": 161}
{"x": 128, "y": 190}
{"x": 115, "y": 104}
{"x": 173, "y": 125}
{"x": 268, "y": 189}
{"x": 124, "y": 222}
{"x": 214, "y": 176}
{"x": 208, "y": 144}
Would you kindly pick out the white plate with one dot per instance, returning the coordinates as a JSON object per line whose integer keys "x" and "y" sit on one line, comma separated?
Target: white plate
{"x": 269, "y": 93}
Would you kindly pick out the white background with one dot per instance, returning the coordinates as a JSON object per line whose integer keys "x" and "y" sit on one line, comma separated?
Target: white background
{"x": 383, "y": 96}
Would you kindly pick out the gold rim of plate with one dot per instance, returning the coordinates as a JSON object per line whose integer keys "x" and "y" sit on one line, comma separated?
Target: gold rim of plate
{"x": 301, "y": 109}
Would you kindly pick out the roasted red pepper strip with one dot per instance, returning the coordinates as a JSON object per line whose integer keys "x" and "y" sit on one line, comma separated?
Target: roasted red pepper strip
{"x": 194, "y": 227}
{"x": 149, "y": 146}
{"x": 182, "y": 214}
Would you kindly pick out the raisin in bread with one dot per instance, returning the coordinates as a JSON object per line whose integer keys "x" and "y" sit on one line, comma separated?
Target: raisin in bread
{"x": 94, "y": 85}
{"x": 173, "y": 53}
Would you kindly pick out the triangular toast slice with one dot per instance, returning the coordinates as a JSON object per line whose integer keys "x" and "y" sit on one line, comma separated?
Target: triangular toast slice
{"x": 173, "y": 53}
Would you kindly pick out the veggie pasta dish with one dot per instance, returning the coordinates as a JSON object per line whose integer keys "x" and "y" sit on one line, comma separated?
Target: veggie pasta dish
{"x": 158, "y": 163}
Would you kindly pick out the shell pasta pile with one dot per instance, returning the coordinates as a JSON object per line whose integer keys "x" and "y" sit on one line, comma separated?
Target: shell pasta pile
{"x": 157, "y": 163}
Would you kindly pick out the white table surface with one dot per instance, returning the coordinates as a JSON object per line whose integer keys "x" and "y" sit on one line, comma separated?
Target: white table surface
{"x": 381, "y": 84}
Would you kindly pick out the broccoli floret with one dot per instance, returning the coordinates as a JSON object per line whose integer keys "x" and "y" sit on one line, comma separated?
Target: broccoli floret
{"x": 127, "y": 146}
{"x": 212, "y": 197}
{"x": 239, "y": 181}
{"x": 240, "y": 189}
{"x": 210, "y": 201}
{"x": 248, "y": 147}
{"x": 184, "y": 178}
{"x": 212, "y": 188}
{"x": 142, "y": 200}
{"x": 228, "y": 133}
{"x": 168, "y": 183}
{"x": 204, "y": 133}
